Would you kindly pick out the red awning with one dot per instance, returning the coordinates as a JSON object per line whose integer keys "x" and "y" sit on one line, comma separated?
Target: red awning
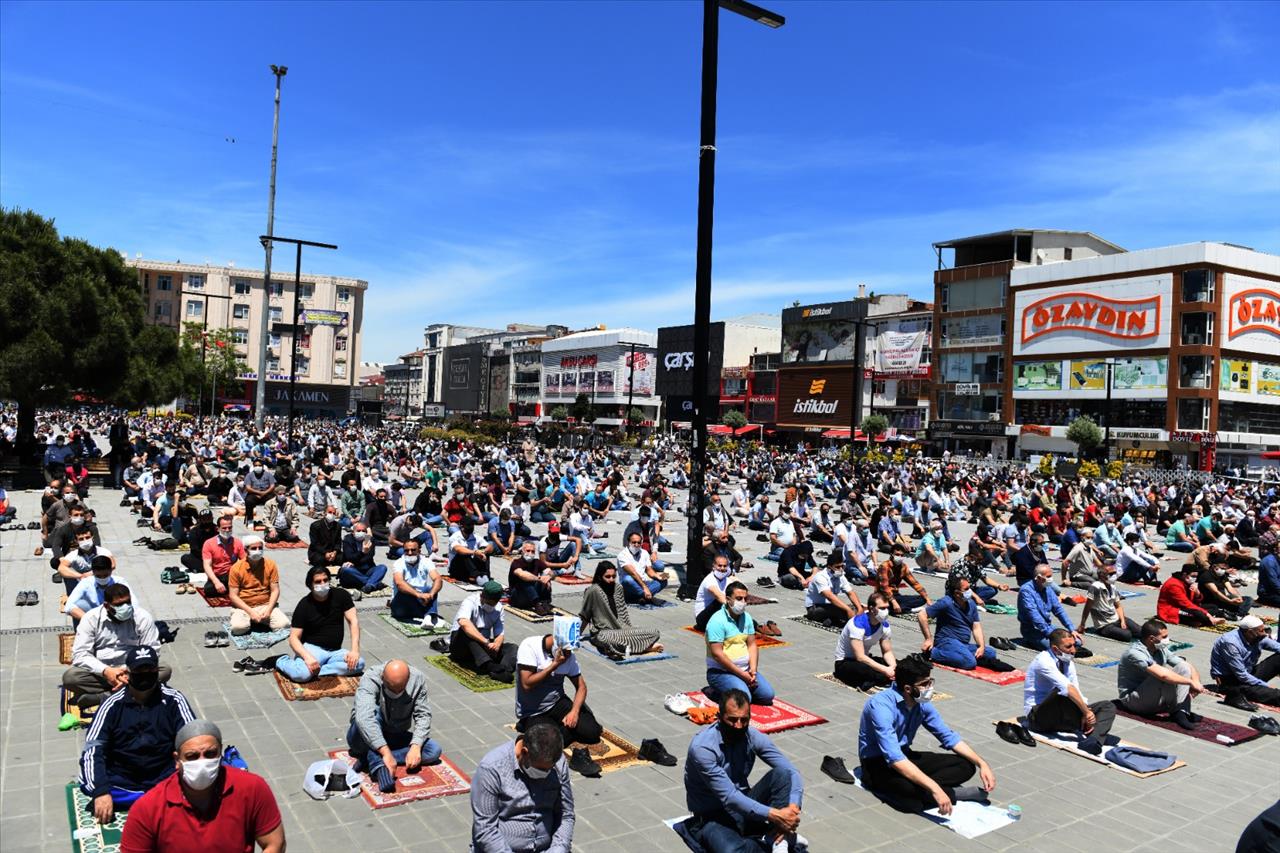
{"x": 1271, "y": 454}
{"x": 719, "y": 429}
{"x": 746, "y": 430}
{"x": 843, "y": 433}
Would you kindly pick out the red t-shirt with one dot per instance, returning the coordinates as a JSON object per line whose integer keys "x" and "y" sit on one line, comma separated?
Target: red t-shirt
{"x": 163, "y": 822}
{"x": 222, "y": 556}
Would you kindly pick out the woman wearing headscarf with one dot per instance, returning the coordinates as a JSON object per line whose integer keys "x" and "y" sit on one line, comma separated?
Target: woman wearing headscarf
{"x": 605, "y": 621}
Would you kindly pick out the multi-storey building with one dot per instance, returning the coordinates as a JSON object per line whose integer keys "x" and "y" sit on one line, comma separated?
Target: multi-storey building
{"x": 329, "y": 311}
{"x": 402, "y": 385}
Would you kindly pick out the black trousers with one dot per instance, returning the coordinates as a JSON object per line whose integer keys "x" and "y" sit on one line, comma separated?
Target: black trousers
{"x": 789, "y": 581}
{"x": 586, "y": 732}
{"x": 826, "y": 613}
{"x": 857, "y": 674}
{"x": 192, "y": 562}
{"x": 468, "y": 567}
{"x": 251, "y": 504}
{"x": 1125, "y": 631}
{"x": 945, "y": 768}
{"x": 466, "y": 652}
{"x": 1267, "y": 669}
{"x": 1060, "y": 714}
{"x": 705, "y": 616}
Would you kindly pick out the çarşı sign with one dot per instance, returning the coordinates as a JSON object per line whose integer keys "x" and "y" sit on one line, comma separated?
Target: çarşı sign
{"x": 1106, "y": 316}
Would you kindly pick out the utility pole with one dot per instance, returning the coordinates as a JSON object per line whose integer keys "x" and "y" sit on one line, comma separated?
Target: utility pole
{"x": 631, "y": 387}
{"x": 260, "y": 407}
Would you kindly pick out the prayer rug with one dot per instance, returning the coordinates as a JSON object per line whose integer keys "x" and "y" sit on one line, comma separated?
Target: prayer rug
{"x": 571, "y": 580}
{"x": 967, "y": 819}
{"x": 757, "y": 600}
{"x": 1207, "y": 729}
{"x": 805, "y": 620}
{"x": 380, "y": 592}
{"x": 275, "y": 545}
{"x": 1001, "y": 609}
{"x": 762, "y": 641}
{"x": 611, "y": 753}
{"x": 66, "y": 706}
{"x": 256, "y": 639}
{"x": 778, "y": 717}
{"x": 473, "y": 681}
{"x": 1095, "y": 660}
{"x": 938, "y": 695}
{"x": 324, "y": 687}
{"x": 87, "y": 835}
{"x": 631, "y": 659}
{"x": 1070, "y": 742}
{"x": 214, "y": 600}
{"x": 990, "y": 676}
{"x": 437, "y": 780}
{"x": 65, "y": 642}
{"x": 463, "y": 585}
{"x": 530, "y": 616}
{"x": 414, "y": 628}
{"x": 1213, "y": 689}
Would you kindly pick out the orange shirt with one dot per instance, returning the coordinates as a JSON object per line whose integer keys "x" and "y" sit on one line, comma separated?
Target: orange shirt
{"x": 255, "y": 591}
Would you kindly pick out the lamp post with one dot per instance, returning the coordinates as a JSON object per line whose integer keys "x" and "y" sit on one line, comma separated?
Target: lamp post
{"x": 261, "y": 394}
{"x": 694, "y": 570}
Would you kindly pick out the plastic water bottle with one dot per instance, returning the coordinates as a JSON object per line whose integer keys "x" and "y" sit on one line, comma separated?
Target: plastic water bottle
{"x": 1224, "y": 739}
{"x": 1015, "y": 811}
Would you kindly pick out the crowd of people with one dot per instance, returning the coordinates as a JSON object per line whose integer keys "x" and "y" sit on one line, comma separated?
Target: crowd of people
{"x": 380, "y": 509}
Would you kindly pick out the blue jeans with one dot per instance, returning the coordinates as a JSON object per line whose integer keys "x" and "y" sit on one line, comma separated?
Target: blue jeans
{"x": 720, "y": 681}
{"x": 350, "y": 576}
{"x": 432, "y": 520}
{"x": 773, "y": 556}
{"x": 633, "y": 592}
{"x": 525, "y": 594}
{"x": 399, "y": 742}
{"x": 1136, "y": 572}
{"x": 959, "y": 655}
{"x": 1184, "y": 547}
{"x": 986, "y": 593}
{"x": 541, "y": 515}
{"x": 1034, "y": 638}
{"x": 331, "y": 663}
{"x": 406, "y": 608}
{"x": 728, "y": 832}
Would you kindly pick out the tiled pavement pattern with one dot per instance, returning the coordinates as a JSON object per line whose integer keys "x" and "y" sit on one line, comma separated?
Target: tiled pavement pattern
{"x": 1068, "y": 803}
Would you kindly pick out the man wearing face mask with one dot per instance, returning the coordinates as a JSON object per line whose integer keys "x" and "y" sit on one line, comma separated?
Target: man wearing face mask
{"x": 103, "y": 641}
{"x": 478, "y": 639}
{"x": 521, "y": 798}
{"x": 259, "y": 487}
{"x": 73, "y": 566}
{"x": 316, "y": 632}
{"x": 732, "y": 653}
{"x": 325, "y": 535}
{"x": 541, "y": 670}
{"x": 127, "y": 749}
{"x": 415, "y": 587}
{"x": 353, "y": 502}
{"x": 1242, "y": 673}
{"x": 711, "y": 595}
{"x": 62, "y": 539}
{"x": 530, "y": 580}
{"x": 359, "y": 570}
{"x": 1153, "y": 680}
{"x": 890, "y": 766}
{"x": 729, "y": 813}
{"x": 218, "y": 555}
{"x": 822, "y": 595}
{"x": 205, "y": 807}
{"x": 391, "y": 723}
{"x": 1052, "y": 701}
{"x": 1038, "y": 605}
{"x": 468, "y": 559}
{"x": 281, "y": 517}
{"x": 254, "y": 585}
{"x": 89, "y": 592}
{"x": 640, "y": 579}
{"x": 957, "y": 616}
{"x": 855, "y": 664}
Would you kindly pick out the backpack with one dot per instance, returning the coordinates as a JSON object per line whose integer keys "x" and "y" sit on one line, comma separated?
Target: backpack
{"x": 163, "y": 543}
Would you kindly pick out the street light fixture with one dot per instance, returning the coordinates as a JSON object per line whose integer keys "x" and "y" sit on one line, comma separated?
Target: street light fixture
{"x": 694, "y": 569}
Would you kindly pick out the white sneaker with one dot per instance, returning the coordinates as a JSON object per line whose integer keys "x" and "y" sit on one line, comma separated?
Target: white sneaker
{"x": 679, "y": 704}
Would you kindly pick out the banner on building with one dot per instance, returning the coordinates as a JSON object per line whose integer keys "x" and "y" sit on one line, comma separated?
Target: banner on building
{"x": 1037, "y": 376}
{"x": 1268, "y": 379}
{"x": 1140, "y": 374}
{"x": 1090, "y": 375}
{"x": 899, "y": 351}
{"x": 322, "y": 317}
{"x": 1236, "y": 376}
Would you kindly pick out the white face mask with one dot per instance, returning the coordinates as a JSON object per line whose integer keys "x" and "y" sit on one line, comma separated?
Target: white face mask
{"x": 201, "y": 773}
{"x": 322, "y": 590}
{"x": 1164, "y": 645}
{"x": 255, "y": 553}
{"x": 225, "y": 537}
{"x": 257, "y": 469}
{"x": 102, "y": 581}
{"x": 635, "y": 550}
{"x": 882, "y": 614}
{"x": 968, "y": 594}
{"x": 1065, "y": 657}
{"x": 85, "y": 545}
{"x": 331, "y": 518}
{"x": 77, "y": 520}
{"x": 536, "y": 772}
{"x": 123, "y": 612}
{"x": 411, "y": 559}
{"x": 926, "y": 695}
{"x": 737, "y": 608}
{"x": 720, "y": 574}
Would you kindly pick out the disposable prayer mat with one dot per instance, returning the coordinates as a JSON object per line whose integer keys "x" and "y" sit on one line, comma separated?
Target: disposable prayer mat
{"x": 530, "y": 616}
{"x": 275, "y": 545}
{"x": 1070, "y": 742}
{"x": 1224, "y": 628}
{"x": 938, "y": 695}
{"x": 611, "y": 753}
{"x": 762, "y": 641}
{"x": 805, "y": 620}
{"x": 463, "y": 585}
{"x": 1207, "y": 729}
{"x": 256, "y": 639}
{"x": 414, "y": 628}
{"x": 324, "y": 687}
{"x": 649, "y": 658}
{"x": 757, "y": 600}
{"x": 571, "y": 580}
{"x": 87, "y": 835}
{"x": 967, "y": 819}
{"x": 778, "y": 717}
{"x": 473, "y": 681}
{"x": 437, "y": 780}
{"x": 214, "y": 600}
{"x": 65, "y": 642}
{"x": 654, "y": 604}
{"x": 1001, "y": 609}
{"x": 1128, "y": 593}
{"x": 989, "y": 676}
{"x": 66, "y": 706}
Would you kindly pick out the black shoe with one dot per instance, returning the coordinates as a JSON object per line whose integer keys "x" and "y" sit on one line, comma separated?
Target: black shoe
{"x": 505, "y": 676}
{"x": 1180, "y": 717}
{"x": 834, "y": 767}
{"x": 56, "y": 578}
{"x": 1007, "y": 732}
{"x": 1024, "y": 735}
{"x": 33, "y": 597}
{"x": 1266, "y": 725}
{"x": 239, "y": 665}
{"x": 582, "y": 762}
{"x": 652, "y": 749}
{"x": 440, "y": 644}
{"x": 766, "y": 582}
{"x": 1090, "y": 745}
{"x": 254, "y": 667}
{"x": 1237, "y": 700}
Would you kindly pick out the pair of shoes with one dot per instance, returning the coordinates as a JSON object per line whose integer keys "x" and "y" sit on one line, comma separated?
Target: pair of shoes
{"x": 248, "y": 666}
{"x": 439, "y": 644}
{"x": 68, "y": 722}
{"x": 542, "y": 608}
{"x": 769, "y": 629}
{"x": 27, "y": 596}
{"x": 651, "y": 749}
{"x": 679, "y": 704}
{"x": 834, "y": 767}
{"x": 1014, "y": 733}
{"x": 766, "y": 582}
{"x": 581, "y": 761}
{"x": 1266, "y": 725}
{"x": 216, "y": 640}
{"x": 1237, "y": 700}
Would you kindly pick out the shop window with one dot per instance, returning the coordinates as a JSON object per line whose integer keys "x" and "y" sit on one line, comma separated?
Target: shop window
{"x": 1193, "y": 414}
{"x": 1197, "y": 286}
{"x": 1195, "y": 371}
{"x": 1197, "y": 329}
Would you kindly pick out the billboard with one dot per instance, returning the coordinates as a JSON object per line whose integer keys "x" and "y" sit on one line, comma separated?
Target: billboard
{"x": 463, "y": 377}
{"x": 322, "y": 317}
{"x": 674, "y": 368}
{"x": 1268, "y": 379}
{"x": 1037, "y": 376}
{"x": 1253, "y": 314}
{"x": 1140, "y": 374}
{"x": 821, "y": 333}
{"x": 1112, "y": 315}
{"x": 1088, "y": 375}
{"x": 644, "y": 372}
{"x": 604, "y": 382}
{"x": 1236, "y": 376}
{"x": 899, "y": 352}
{"x": 815, "y": 396}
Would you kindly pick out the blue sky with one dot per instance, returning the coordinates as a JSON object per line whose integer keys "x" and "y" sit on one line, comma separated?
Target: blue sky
{"x": 490, "y": 162}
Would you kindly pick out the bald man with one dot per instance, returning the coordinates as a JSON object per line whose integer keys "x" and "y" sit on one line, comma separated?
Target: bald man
{"x": 391, "y": 723}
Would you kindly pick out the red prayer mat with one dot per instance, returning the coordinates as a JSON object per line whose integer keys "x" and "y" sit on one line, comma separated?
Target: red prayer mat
{"x": 215, "y": 600}
{"x": 571, "y": 580}
{"x": 298, "y": 544}
{"x": 763, "y": 641}
{"x": 982, "y": 674}
{"x": 1207, "y": 729}
{"x": 438, "y": 780}
{"x": 777, "y": 717}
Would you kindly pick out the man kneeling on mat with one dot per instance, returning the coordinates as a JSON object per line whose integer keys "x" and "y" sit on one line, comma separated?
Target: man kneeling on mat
{"x": 890, "y": 767}
{"x": 958, "y": 620}
{"x": 391, "y": 723}
{"x": 1052, "y": 700}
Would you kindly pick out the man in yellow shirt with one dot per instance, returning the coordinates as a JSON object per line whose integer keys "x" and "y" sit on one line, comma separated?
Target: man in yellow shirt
{"x": 254, "y": 585}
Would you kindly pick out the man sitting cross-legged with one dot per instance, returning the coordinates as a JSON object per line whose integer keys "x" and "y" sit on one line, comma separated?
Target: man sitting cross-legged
{"x": 521, "y": 798}
{"x": 855, "y": 664}
{"x": 416, "y": 585}
{"x": 1152, "y": 679}
{"x": 730, "y": 815}
{"x": 254, "y": 585}
{"x": 478, "y": 641}
{"x": 958, "y": 621}
{"x": 391, "y": 723}
{"x": 822, "y": 595}
{"x": 890, "y": 766}
{"x": 316, "y": 634}
{"x": 1051, "y": 697}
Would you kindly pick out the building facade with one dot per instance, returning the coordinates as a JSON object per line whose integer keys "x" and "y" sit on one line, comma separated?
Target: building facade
{"x": 329, "y": 312}
{"x": 402, "y": 385}
{"x": 613, "y": 367}
{"x": 731, "y": 346}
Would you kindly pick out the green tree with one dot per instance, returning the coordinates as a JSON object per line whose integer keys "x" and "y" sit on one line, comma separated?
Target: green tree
{"x": 874, "y": 426}
{"x": 636, "y": 416}
{"x": 582, "y": 409}
{"x": 1085, "y": 434}
{"x": 72, "y": 320}
{"x": 560, "y": 413}
{"x": 221, "y": 367}
{"x": 734, "y": 418}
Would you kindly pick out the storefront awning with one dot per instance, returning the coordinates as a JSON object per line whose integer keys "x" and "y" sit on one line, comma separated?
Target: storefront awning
{"x": 746, "y": 430}
{"x": 719, "y": 429}
{"x": 1271, "y": 454}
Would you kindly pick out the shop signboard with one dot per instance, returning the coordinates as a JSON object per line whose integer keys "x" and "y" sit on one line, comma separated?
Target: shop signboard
{"x": 1253, "y": 314}
{"x": 1113, "y": 315}
{"x": 1037, "y": 376}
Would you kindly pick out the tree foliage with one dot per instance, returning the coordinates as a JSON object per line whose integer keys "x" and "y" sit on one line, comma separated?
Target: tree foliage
{"x": 559, "y": 413}
{"x": 582, "y": 410}
{"x": 221, "y": 367}
{"x": 1085, "y": 434}
{"x": 734, "y": 418}
{"x": 636, "y": 416}
{"x": 874, "y": 426}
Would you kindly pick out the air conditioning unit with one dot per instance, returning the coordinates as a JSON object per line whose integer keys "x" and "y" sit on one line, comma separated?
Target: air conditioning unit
{"x": 993, "y": 416}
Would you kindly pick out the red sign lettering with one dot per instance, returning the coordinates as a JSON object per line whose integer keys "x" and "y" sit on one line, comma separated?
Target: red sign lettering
{"x": 1254, "y": 310}
{"x": 1088, "y": 313}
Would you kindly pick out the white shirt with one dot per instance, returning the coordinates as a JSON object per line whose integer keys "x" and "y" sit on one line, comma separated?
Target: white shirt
{"x": 1044, "y": 678}
{"x": 705, "y": 598}
{"x": 80, "y": 560}
{"x": 641, "y": 563}
{"x": 854, "y": 631}
{"x": 784, "y": 530}
{"x": 821, "y": 582}
{"x": 488, "y": 622}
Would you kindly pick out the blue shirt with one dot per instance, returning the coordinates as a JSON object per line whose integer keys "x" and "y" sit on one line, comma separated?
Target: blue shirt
{"x": 1232, "y": 656}
{"x": 888, "y": 726}
{"x": 1036, "y": 609}
{"x": 1269, "y": 576}
{"x": 955, "y": 621}
{"x": 88, "y": 595}
{"x": 716, "y": 773}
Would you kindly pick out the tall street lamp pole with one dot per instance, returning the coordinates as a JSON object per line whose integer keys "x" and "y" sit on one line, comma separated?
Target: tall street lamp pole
{"x": 260, "y": 408}
{"x": 694, "y": 569}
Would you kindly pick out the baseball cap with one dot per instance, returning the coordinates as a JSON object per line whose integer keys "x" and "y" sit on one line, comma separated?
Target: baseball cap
{"x": 205, "y": 514}
{"x": 553, "y": 527}
{"x": 145, "y": 656}
{"x": 491, "y": 589}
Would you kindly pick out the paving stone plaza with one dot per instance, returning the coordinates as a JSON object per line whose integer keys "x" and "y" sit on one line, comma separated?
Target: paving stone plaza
{"x": 1068, "y": 803}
